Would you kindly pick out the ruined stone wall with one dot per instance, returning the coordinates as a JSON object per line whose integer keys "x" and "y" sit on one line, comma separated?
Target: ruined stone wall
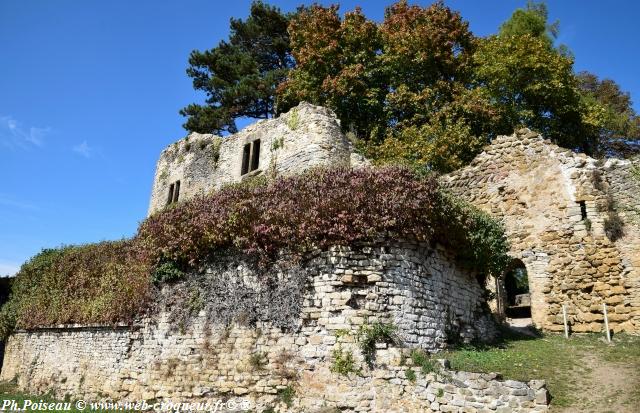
{"x": 536, "y": 188}
{"x": 416, "y": 287}
{"x": 307, "y": 136}
{"x": 622, "y": 179}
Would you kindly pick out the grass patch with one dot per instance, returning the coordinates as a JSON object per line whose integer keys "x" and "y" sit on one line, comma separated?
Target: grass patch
{"x": 422, "y": 360}
{"x": 410, "y": 375}
{"x": 550, "y": 357}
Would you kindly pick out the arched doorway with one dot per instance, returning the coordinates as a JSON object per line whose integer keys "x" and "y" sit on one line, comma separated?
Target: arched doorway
{"x": 517, "y": 298}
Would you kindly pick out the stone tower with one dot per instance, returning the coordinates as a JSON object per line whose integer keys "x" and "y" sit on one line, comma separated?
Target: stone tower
{"x": 307, "y": 136}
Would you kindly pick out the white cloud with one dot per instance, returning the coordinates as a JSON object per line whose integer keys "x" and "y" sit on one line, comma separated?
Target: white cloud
{"x": 83, "y": 149}
{"x": 8, "y": 268}
{"x": 14, "y": 135}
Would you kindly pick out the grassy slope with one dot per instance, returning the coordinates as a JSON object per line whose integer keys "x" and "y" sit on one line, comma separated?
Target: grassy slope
{"x": 559, "y": 361}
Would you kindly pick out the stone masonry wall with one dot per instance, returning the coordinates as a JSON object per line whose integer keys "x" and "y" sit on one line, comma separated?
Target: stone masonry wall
{"x": 416, "y": 287}
{"x": 305, "y": 137}
{"x": 623, "y": 180}
{"x": 536, "y": 188}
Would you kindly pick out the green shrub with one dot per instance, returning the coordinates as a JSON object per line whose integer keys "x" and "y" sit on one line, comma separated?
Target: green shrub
{"x": 635, "y": 171}
{"x": 370, "y": 334}
{"x": 258, "y": 360}
{"x": 96, "y": 283}
{"x": 613, "y": 226}
{"x": 8, "y": 314}
{"x": 215, "y": 151}
{"x": 293, "y": 121}
{"x": 167, "y": 271}
{"x": 321, "y": 208}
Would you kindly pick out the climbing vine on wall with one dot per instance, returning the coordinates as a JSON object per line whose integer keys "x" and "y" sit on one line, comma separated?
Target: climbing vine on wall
{"x": 113, "y": 281}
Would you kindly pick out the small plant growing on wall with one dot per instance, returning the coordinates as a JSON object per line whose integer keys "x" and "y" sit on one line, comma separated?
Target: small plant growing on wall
{"x": 613, "y": 226}
{"x": 293, "y": 121}
{"x": 370, "y": 334}
{"x": 164, "y": 174}
{"x": 277, "y": 143}
{"x": 410, "y": 375}
{"x": 635, "y": 171}
{"x": 258, "y": 360}
{"x": 215, "y": 151}
{"x": 196, "y": 301}
{"x": 343, "y": 362}
{"x": 167, "y": 271}
{"x": 286, "y": 395}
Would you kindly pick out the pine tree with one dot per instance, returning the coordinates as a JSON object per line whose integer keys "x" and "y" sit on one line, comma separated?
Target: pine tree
{"x": 240, "y": 75}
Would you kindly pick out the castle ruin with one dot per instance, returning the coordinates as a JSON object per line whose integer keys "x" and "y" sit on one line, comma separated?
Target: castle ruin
{"x": 558, "y": 209}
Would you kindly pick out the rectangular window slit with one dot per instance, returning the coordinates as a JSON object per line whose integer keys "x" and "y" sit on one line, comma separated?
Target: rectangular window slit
{"x": 255, "y": 155}
{"x": 245, "y": 158}
{"x": 583, "y": 209}
{"x": 176, "y": 192}
{"x": 170, "y": 198}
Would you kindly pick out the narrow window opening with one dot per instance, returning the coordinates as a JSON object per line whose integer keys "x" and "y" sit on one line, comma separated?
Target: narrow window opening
{"x": 170, "y": 198}
{"x": 255, "y": 155}
{"x": 245, "y": 158}
{"x": 176, "y": 192}
{"x": 583, "y": 209}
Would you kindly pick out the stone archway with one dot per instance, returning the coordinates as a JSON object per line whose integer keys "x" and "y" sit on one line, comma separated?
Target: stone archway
{"x": 516, "y": 296}
{"x": 534, "y": 265}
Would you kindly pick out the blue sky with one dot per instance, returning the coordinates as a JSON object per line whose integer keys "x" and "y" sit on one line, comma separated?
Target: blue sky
{"x": 90, "y": 93}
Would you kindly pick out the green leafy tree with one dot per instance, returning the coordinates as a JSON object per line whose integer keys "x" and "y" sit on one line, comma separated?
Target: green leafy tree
{"x": 533, "y": 85}
{"x": 617, "y": 120}
{"x": 240, "y": 75}
{"x": 435, "y": 119}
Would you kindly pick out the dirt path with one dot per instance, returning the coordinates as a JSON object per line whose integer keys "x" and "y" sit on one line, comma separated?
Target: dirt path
{"x": 603, "y": 386}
